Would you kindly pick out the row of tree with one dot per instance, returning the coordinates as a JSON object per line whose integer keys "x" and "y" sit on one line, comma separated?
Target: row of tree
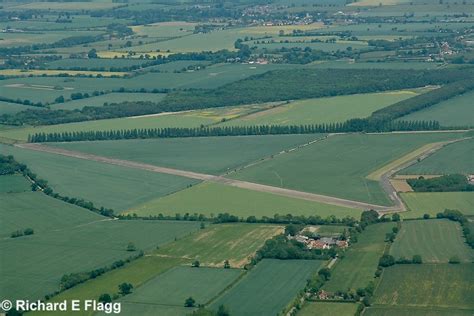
{"x": 173, "y": 132}
{"x": 446, "y": 183}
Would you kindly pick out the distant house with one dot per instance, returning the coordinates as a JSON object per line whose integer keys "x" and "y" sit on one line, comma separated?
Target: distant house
{"x": 318, "y": 244}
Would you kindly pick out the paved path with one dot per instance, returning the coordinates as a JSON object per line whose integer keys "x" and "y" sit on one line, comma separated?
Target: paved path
{"x": 212, "y": 178}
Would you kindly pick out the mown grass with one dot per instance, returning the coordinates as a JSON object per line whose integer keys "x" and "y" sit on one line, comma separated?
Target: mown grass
{"x": 432, "y": 203}
{"x": 14, "y": 183}
{"x": 268, "y": 287}
{"x": 338, "y": 165}
{"x": 212, "y": 198}
{"x": 360, "y": 262}
{"x": 436, "y": 241}
{"x": 211, "y": 246}
{"x": 103, "y": 184}
{"x": 427, "y": 285}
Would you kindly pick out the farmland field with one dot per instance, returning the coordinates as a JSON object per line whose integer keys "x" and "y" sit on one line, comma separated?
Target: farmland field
{"x": 105, "y": 185}
{"x": 268, "y": 287}
{"x": 431, "y": 203}
{"x": 436, "y": 241}
{"x": 233, "y": 242}
{"x": 437, "y": 285}
{"x": 40, "y": 212}
{"x": 14, "y": 183}
{"x": 338, "y": 165}
{"x": 381, "y": 310}
{"x": 357, "y": 268}
{"x": 202, "y": 154}
{"x": 453, "y": 112}
{"x": 43, "y": 258}
{"x": 9, "y": 108}
{"x": 136, "y": 273}
{"x": 442, "y": 161}
{"x": 324, "y": 110}
{"x": 328, "y": 309}
{"x": 202, "y": 284}
{"x": 110, "y": 98}
{"x": 212, "y": 198}
{"x": 163, "y": 120}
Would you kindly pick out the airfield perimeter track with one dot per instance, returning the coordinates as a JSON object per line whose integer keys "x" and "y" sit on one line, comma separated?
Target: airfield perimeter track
{"x": 213, "y": 178}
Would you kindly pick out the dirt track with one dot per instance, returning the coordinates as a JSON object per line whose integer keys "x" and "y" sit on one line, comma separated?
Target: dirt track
{"x": 212, "y": 178}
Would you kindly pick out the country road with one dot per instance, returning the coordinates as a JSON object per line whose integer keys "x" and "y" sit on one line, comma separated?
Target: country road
{"x": 213, "y": 178}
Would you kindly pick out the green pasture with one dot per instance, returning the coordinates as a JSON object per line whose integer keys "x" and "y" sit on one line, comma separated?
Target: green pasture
{"x": 110, "y": 98}
{"x": 338, "y": 165}
{"x": 214, "y": 155}
{"x": 45, "y": 257}
{"x": 103, "y": 184}
{"x": 9, "y": 40}
{"x": 324, "y": 110}
{"x": 381, "y": 310}
{"x": 217, "y": 243}
{"x": 14, "y": 183}
{"x": 94, "y": 63}
{"x": 326, "y": 47}
{"x": 176, "y": 285}
{"x": 328, "y": 309}
{"x": 456, "y": 111}
{"x": 136, "y": 273}
{"x": 427, "y": 285}
{"x": 212, "y": 198}
{"x": 268, "y": 287}
{"x": 453, "y": 158}
{"x": 432, "y": 203}
{"x": 68, "y": 6}
{"x": 40, "y": 212}
{"x": 436, "y": 241}
{"x": 360, "y": 262}
{"x": 11, "y": 108}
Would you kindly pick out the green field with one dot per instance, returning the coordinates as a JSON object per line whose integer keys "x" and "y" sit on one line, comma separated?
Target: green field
{"x": 233, "y": 242}
{"x": 11, "y": 108}
{"x": 324, "y": 110}
{"x": 338, "y": 165}
{"x": 45, "y": 257}
{"x": 176, "y": 285}
{"x": 136, "y": 273}
{"x": 442, "y": 161}
{"x": 433, "y": 203}
{"x": 110, "y": 98}
{"x": 456, "y": 111}
{"x": 268, "y": 287}
{"x": 436, "y": 241}
{"x": 105, "y": 185}
{"x": 214, "y": 155}
{"x": 358, "y": 266}
{"x": 415, "y": 311}
{"x": 40, "y": 212}
{"x": 212, "y": 198}
{"x": 328, "y": 309}
{"x": 14, "y": 183}
{"x": 427, "y": 285}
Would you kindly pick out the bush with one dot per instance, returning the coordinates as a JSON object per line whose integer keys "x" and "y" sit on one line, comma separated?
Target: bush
{"x": 454, "y": 260}
{"x": 417, "y": 259}
{"x": 189, "y": 302}
{"x": 386, "y": 261}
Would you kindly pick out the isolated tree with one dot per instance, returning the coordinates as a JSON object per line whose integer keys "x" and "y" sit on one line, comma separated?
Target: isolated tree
{"x": 325, "y": 273}
{"x": 59, "y": 99}
{"x": 131, "y": 247}
{"x": 189, "y": 302}
{"x": 125, "y": 288}
{"x": 105, "y": 298}
{"x": 226, "y": 264}
{"x": 196, "y": 264}
{"x": 222, "y": 311}
{"x": 92, "y": 53}
{"x": 417, "y": 259}
{"x": 386, "y": 261}
{"x": 426, "y": 216}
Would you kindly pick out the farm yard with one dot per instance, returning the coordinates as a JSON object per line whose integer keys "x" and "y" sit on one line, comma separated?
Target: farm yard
{"x": 246, "y": 157}
{"x": 436, "y": 241}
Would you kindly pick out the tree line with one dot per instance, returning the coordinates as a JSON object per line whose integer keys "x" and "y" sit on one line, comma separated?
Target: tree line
{"x": 446, "y": 183}
{"x": 174, "y": 132}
